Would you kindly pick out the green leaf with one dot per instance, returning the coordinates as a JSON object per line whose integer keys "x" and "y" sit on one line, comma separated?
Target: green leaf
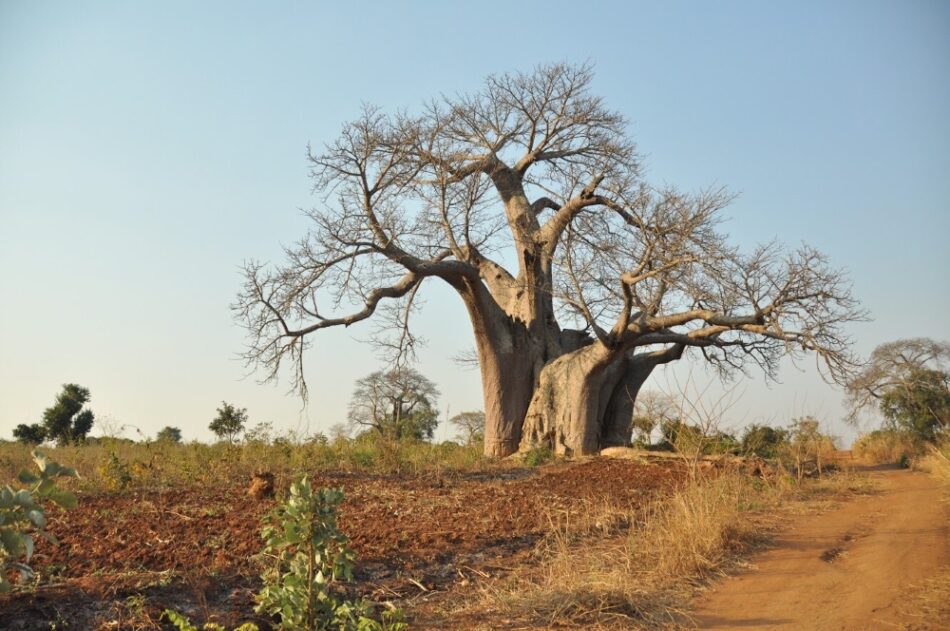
{"x": 63, "y": 498}
{"x": 28, "y": 546}
{"x": 28, "y": 478}
{"x": 12, "y": 542}
{"x": 68, "y": 472}
{"x": 37, "y": 517}
{"x": 45, "y": 487}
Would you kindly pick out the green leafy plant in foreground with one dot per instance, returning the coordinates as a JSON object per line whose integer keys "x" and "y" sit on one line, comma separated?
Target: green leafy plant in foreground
{"x": 307, "y": 554}
{"x": 184, "y": 624}
{"x": 22, "y": 515}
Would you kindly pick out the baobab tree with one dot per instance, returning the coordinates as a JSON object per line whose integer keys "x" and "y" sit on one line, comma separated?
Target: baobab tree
{"x": 578, "y": 277}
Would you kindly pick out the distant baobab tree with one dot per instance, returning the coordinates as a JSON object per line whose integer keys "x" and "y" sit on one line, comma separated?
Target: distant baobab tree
{"x": 578, "y": 277}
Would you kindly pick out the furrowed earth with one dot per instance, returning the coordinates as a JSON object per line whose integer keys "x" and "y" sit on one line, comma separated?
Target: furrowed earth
{"x": 123, "y": 558}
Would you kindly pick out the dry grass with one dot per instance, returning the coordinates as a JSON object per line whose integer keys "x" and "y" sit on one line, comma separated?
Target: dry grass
{"x": 122, "y": 465}
{"x": 651, "y": 562}
{"x": 929, "y": 601}
{"x": 936, "y": 461}
{"x": 885, "y": 447}
{"x": 927, "y": 605}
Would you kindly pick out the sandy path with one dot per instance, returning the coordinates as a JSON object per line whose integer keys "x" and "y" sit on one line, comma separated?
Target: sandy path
{"x": 844, "y": 569}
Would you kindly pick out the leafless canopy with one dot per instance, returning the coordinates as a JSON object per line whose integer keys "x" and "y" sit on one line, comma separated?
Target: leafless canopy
{"x": 532, "y": 187}
{"x": 898, "y": 364}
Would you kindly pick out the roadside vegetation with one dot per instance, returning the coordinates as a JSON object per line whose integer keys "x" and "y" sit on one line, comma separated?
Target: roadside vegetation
{"x": 907, "y": 384}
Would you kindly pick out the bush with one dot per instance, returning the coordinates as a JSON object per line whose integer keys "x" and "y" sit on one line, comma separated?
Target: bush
{"x": 763, "y": 441}
{"x": 936, "y": 460}
{"x": 115, "y": 473}
{"x": 184, "y": 624}
{"x": 308, "y": 554}
{"x": 22, "y": 515}
{"x": 538, "y": 456}
{"x": 807, "y": 451}
{"x": 169, "y": 434}
{"x": 885, "y": 446}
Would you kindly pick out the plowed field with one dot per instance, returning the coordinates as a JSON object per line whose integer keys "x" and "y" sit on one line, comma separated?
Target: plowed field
{"x": 123, "y": 558}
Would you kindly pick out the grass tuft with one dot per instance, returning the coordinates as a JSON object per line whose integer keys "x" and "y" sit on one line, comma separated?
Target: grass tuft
{"x": 885, "y": 446}
{"x": 638, "y": 567}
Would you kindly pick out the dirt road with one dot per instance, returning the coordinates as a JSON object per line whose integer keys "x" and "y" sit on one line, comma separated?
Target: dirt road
{"x": 845, "y": 569}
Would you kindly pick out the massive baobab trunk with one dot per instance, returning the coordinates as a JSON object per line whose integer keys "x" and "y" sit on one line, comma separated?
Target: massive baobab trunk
{"x": 508, "y": 359}
{"x": 526, "y": 198}
{"x": 584, "y": 401}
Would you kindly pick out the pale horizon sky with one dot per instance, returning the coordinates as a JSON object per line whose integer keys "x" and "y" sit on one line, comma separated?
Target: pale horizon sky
{"x": 148, "y": 149}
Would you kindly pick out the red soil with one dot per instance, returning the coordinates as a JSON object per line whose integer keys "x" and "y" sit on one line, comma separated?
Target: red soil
{"x": 419, "y": 528}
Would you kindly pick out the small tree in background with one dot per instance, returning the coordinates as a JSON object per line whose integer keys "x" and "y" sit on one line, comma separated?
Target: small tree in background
{"x": 29, "y": 434}
{"x": 920, "y": 407}
{"x": 397, "y": 404}
{"x": 229, "y": 422}
{"x": 908, "y": 381}
{"x": 763, "y": 441}
{"x": 652, "y": 408}
{"x": 471, "y": 426}
{"x": 169, "y": 434}
{"x": 339, "y": 432}
{"x": 807, "y": 446}
{"x": 65, "y": 421}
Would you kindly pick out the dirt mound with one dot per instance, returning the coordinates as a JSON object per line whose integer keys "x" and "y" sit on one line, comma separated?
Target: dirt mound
{"x": 262, "y": 485}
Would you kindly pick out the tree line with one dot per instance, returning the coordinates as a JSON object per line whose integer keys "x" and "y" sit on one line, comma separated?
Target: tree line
{"x": 395, "y": 405}
{"x": 906, "y": 382}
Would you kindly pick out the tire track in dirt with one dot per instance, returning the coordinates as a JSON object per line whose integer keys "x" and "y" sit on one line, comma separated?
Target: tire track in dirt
{"x": 845, "y": 569}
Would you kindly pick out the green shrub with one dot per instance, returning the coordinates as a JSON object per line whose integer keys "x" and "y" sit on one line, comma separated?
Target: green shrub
{"x": 184, "y": 624}
{"x": 308, "y": 554}
{"x": 764, "y": 441}
{"x": 22, "y": 515}
{"x": 538, "y": 456}
{"x": 115, "y": 473}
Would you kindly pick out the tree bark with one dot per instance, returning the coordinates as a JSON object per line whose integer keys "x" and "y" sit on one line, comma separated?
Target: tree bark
{"x": 584, "y": 401}
{"x": 509, "y": 359}
{"x": 617, "y": 424}
{"x": 564, "y": 411}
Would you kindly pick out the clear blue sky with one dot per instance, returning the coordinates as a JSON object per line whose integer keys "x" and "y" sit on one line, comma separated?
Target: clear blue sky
{"x": 147, "y": 149}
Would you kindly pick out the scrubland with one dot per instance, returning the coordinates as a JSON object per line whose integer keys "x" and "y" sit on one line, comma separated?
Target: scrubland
{"x": 447, "y": 537}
